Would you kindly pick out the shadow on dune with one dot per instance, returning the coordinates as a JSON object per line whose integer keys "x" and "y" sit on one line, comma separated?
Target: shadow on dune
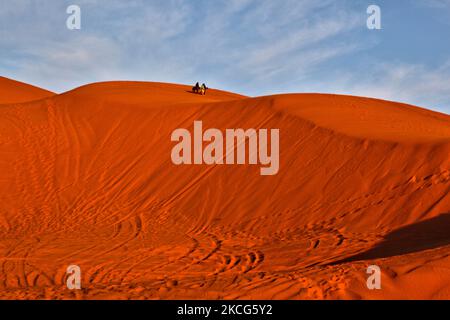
{"x": 428, "y": 234}
{"x": 191, "y": 92}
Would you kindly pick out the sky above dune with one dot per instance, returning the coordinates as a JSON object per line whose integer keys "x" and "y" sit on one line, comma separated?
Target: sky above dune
{"x": 253, "y": 47}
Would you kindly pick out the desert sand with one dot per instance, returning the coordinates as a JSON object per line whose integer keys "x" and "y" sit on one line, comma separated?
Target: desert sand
{"x": 86, "y": 179}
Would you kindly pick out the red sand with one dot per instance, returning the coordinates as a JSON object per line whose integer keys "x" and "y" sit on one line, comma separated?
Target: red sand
{"x": 86, "y": 178}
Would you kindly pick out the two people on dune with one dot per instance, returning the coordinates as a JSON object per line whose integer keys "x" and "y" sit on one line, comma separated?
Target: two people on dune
{"x": 199, "y": 89}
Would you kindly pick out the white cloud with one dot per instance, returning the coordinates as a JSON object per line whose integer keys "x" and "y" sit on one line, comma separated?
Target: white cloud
{"x": 55, "y": 63}
{"x": 249, "y": 46}
{"x": 415, "y": 84}
{"x": 274, "y": 51}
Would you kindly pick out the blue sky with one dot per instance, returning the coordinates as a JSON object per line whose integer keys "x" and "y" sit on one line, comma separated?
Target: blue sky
{"x": 254, "y": 47}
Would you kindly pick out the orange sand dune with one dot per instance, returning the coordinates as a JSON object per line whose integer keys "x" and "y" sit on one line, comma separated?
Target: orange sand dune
{"x": 12, "y": 91}
{"x": 86, "y": 178}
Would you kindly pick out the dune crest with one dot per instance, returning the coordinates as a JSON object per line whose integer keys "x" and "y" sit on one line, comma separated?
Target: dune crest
{"x": 87, "y": 179}
{"x": 12, "y": 91}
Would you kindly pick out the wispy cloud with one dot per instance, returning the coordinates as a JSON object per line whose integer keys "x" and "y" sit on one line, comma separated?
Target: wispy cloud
{"x": 248, "y": 46}
{"x": 69, "y": 62}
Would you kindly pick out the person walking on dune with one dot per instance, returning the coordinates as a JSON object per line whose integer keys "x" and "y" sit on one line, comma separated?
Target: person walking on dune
{"x": 196, "y": 88}
{"x": 203, "y": 89}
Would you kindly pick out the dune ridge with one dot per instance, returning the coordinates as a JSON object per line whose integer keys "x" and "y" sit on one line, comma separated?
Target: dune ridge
{"x": 86, "y": 178}
{"x": 12, "y": 91}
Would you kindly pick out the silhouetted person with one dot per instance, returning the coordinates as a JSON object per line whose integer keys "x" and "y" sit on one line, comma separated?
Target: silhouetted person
{"x": 196, "y": 88}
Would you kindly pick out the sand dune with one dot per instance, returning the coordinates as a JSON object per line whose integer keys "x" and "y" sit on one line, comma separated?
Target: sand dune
{"x": 12, "y": 91}
{"x": 86, "y": 178}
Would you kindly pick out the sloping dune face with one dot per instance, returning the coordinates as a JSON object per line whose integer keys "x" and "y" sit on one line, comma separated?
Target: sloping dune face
{"x": 86, "y": 179}
{"x": 12, "y": 91}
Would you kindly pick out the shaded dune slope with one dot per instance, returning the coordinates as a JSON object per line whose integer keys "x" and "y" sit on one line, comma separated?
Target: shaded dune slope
{"x": 86, "y": 178}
